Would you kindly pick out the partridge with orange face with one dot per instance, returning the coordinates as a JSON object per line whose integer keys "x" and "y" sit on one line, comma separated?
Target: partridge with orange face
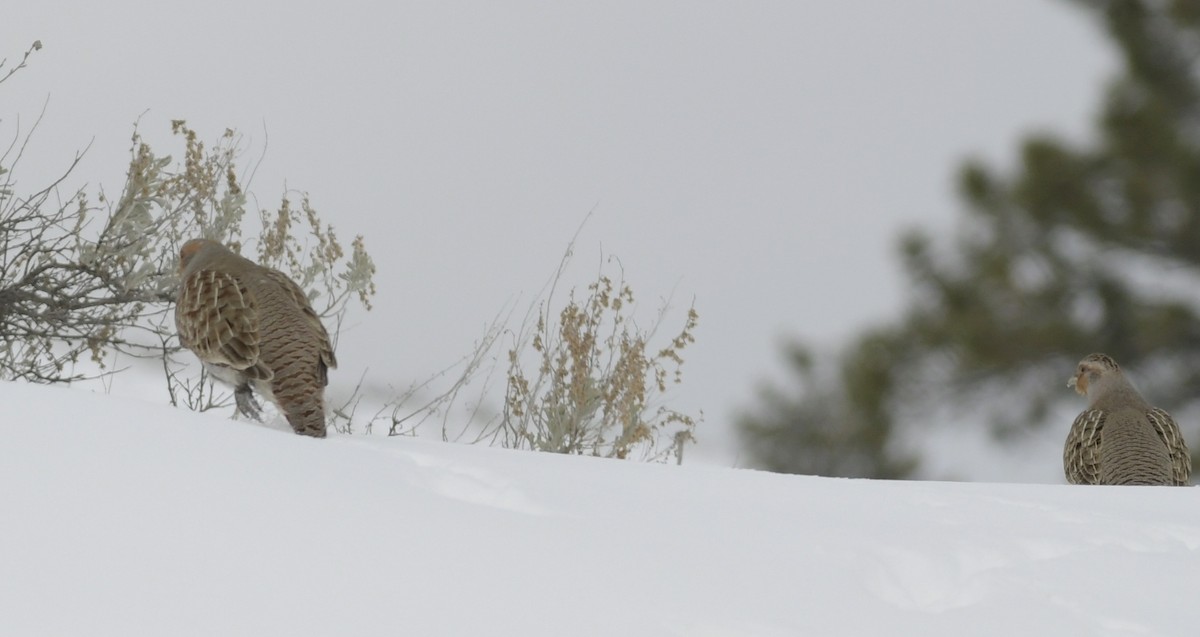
{"x": 1120, "y": 438}
{"x": 254, "y": 328}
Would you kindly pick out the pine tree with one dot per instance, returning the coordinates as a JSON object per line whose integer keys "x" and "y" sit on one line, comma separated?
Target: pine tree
{"x": 1087, "y": 247}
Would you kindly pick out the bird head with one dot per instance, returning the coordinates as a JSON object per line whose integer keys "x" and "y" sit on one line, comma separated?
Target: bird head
{"x": 189, "y": 250}
{"x": 1091, "y": 369}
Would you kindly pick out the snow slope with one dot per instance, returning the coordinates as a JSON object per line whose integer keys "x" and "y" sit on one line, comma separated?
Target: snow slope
{"x": 128, "y": 518}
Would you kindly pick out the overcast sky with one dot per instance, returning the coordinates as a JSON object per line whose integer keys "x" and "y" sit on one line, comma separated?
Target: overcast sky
{"x": 759, "y": 157}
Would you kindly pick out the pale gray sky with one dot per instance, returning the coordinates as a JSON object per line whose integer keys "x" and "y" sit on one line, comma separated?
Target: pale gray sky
{"x": 760, "y": 157}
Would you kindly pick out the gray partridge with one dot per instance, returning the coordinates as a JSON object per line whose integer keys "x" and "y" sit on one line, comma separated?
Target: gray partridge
{"x": 254, "y": 328}
{"x": 1120, "y": 438}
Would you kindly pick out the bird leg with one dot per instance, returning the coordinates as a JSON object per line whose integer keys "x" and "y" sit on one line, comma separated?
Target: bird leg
{"x": 246, "y": 404}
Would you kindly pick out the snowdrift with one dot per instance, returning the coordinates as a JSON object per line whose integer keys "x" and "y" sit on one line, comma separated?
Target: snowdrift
{"x": 128, "y": 518}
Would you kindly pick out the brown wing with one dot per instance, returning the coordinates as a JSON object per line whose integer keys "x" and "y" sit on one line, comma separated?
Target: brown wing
{"x": 217, "y": 319}
{"x": 1081, "y": 455}
{"x": 1168, "y": 432}
{"x": 310, "y": 315}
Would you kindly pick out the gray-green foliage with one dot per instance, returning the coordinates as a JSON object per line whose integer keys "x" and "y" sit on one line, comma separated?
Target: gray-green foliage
{"x": 68, "y": 289}
{"x": 1067, "y": 255}
{"x": 83, "y": 278}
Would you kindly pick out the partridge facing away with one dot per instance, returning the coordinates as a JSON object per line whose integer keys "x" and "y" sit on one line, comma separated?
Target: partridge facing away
{"x": 254, "y": 328}
{"x": 1120, "y": 438}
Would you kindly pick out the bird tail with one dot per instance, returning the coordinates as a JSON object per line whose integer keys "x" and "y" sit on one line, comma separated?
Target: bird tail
{"x": 1132, "y": 454}
{"x": 302, "y": 400}
{"x": 309, "y": 419}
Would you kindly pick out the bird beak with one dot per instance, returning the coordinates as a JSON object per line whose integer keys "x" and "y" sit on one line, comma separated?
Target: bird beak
{"x": 1078, "y": 383}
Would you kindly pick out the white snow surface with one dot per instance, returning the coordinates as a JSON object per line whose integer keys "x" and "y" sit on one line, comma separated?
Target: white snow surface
{"x": 123, "y": 517}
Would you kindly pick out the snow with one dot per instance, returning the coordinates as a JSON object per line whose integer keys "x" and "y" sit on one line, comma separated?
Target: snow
{"x": 124, "y": 517}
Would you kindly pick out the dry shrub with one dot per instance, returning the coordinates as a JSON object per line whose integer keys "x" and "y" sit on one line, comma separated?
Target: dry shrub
{"x": 588, "y": 382}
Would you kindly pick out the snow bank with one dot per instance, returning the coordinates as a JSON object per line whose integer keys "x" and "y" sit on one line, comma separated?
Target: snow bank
{"x": 127, "y": 518}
